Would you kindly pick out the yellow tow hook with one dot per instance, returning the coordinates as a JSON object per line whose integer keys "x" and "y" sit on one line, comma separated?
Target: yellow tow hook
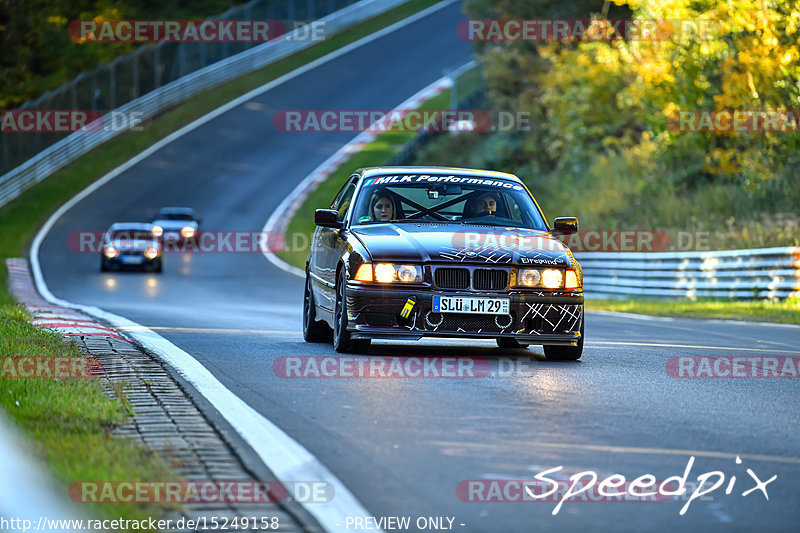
{"x": 410, "y": 303}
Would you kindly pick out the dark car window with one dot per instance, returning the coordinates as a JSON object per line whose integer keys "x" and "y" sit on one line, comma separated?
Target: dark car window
{"x": 449, "y": 199}
{"x": 342, "y": 203}
{"x": 174, "y": 216}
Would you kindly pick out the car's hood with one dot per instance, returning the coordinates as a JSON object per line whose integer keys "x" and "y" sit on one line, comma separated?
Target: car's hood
{"x": 175, "y": 225}
{"x": 424, "y": 242}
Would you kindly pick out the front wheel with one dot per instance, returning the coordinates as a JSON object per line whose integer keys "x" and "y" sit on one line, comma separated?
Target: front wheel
{"x": 313, "y": 331}
{"x": 342, "y": 342}
{"x": 565, "y": 353}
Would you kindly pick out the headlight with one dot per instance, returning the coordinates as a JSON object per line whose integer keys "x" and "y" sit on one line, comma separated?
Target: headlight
{"x": 151, "y": 253}
{"x": 408, "y": 274}
{"x": 187, "y": 232}
{"x": 571, "y": 281}
{"x": 157, "y": 231}
{"x": 552, "y": 278}
{"x": 528, "y": 277}
{"x": 110, "y": 252}
{"x": 388, "y": 273}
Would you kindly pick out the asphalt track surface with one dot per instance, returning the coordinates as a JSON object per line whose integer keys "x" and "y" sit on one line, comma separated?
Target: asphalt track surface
{"x": 403, "y": 445}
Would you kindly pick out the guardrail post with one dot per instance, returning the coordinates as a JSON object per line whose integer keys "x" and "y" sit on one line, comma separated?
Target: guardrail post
{"x": 157, "y": 66}
{"x": 247, "y": 16}
{"x": 112, "y": 86}
{"x": 135, "y": 74}
{"x": 6, "y": 156}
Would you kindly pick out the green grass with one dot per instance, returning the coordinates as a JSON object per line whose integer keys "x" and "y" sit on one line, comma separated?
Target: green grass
{"x": 376, "y": 153}
{"x": 782, "y": 311}
{"x": 69, "y": 421}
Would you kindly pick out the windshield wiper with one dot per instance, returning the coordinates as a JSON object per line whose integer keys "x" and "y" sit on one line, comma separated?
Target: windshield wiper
{"x": 468, "y": 223}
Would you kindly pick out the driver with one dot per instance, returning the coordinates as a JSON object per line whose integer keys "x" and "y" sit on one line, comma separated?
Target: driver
{"x": 382, "y": 206}
{"x": 485, "y": 204}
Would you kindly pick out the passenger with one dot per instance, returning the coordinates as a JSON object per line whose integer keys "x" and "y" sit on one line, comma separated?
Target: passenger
{"x": 382, "y": 206}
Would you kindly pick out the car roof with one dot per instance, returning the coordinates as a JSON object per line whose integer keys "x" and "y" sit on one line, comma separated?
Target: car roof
{"x": 180, "y": 210}
{"x": 380, "y": 171}
{"x": 131, "y": 226}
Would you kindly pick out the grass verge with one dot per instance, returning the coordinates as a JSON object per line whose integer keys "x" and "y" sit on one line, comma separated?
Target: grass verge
{"x": 781, "y": 311}
{"x": 70, "y": 420}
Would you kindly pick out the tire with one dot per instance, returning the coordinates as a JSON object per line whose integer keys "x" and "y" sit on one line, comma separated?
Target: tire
{"x": 510, "y": 344}
{"x": 313, "y": 330}
{"x": 103, "y": 265}
{"x": 157, "y": 266}
{"x": 342, "y": 342}
{"x": 565, "y": 353}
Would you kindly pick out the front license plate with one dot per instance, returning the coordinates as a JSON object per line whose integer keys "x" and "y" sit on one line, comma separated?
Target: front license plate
{"x": 132, "y": 259}
{"x": 459, "y": 304}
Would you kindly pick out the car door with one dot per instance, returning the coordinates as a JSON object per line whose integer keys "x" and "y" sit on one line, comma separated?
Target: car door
{"x": 329, "y": 243}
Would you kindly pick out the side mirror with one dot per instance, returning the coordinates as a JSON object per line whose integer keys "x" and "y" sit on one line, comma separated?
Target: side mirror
{"x": 565, "y": 224}
{"x": 327, "y": 218}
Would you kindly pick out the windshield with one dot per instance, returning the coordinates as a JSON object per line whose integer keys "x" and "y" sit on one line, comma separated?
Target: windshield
{"x": 174, "y": 216}
{"x": 447, "y": 199}
{"x": 130, "y": 234}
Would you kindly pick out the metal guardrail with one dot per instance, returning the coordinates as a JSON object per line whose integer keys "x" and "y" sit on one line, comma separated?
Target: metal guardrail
{"x": 63, "y": 152}
{"x": 27, "y": 493}
{"x": 746, "y": 274}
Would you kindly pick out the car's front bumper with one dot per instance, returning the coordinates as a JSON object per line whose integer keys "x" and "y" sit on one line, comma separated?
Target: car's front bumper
{"x": 535, "y": 317}
{"x": 131, "y": 261}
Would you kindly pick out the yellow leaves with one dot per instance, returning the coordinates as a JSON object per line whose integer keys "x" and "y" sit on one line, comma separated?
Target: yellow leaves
{"x": 108, "y": 14}
{"x": 57, "y": 20}
{"x": 722, "y": 161}
{"x": 790, "y": 56}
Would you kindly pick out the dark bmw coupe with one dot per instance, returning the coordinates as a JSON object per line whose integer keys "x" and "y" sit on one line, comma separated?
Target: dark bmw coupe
{"x": 407, "y": 252}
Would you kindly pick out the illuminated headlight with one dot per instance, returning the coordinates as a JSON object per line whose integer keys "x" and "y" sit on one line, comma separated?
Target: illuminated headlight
{"x": 571, "y": 281}
{"x": 110, "y": 252}
{"x": 157, "y": 231}
{"x": 187, "y": 232}
{"x": 552, "y": 278}
{"x": 151, "y": 253}
{"x": 528, "y": 277}
{"x": 388, "y": 273}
